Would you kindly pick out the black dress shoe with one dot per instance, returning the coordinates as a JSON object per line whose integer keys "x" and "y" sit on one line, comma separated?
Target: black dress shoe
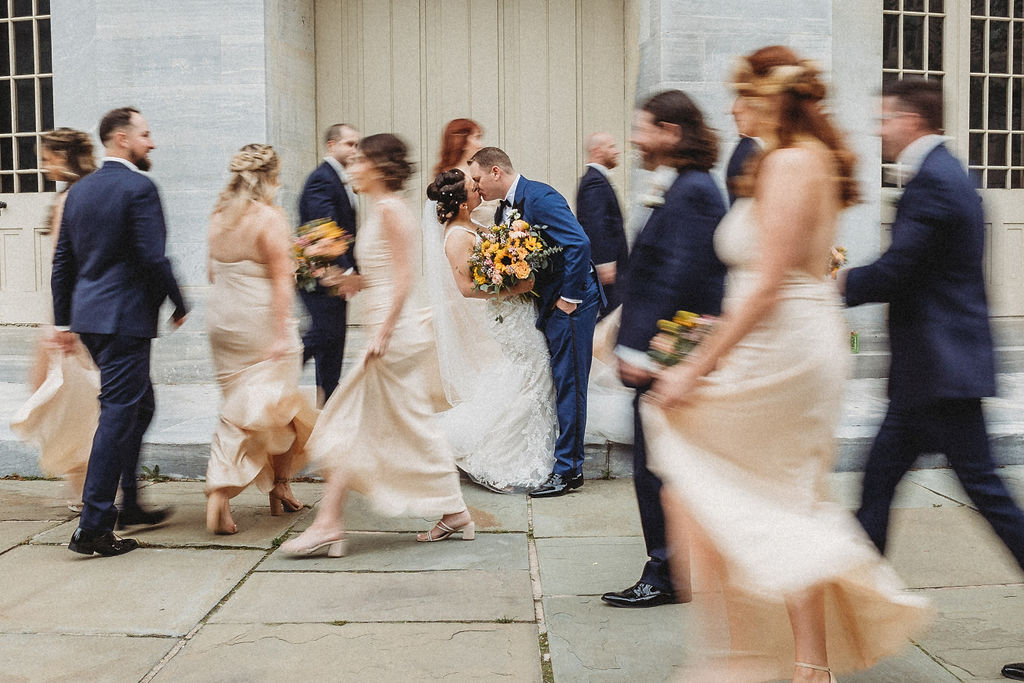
{"x": 104, "y": 543}
{"x": 1014, "y": 671}
{"x": 640, "y": 595}
{"x": 557, "y": 485}
{"x": 136, "y": 515}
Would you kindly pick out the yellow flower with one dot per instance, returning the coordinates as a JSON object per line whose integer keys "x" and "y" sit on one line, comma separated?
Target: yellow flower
{"x": 479, "y": 277}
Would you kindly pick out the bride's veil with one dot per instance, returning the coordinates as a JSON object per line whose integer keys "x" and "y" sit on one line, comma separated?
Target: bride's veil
{"x": 470, "y": 359}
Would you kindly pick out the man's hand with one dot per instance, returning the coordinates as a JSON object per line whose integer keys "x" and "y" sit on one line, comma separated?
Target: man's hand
{"x": 606, "y": 273}
{"x": 178, "y": 319}
{"x": 64, "y": 340}
{"x": 349, "y": 285}
{"x": 566, "y": 307}
{"x": 633, "y": 375}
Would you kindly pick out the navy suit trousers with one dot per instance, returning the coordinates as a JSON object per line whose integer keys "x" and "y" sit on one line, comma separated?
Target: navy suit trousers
{"x": 126, "y": 409}
{"x": 571, "y": 344}
{"x": 956, "y": 428}
{"x": 652, "y": 517}
{"x": 324, "y": 341}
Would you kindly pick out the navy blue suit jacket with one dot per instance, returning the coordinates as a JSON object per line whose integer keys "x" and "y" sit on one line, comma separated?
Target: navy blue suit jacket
{"x": 110, "y": 273}
{"x": 931, "y": 277}
{"x": 324, "y": 196}
{"x": 744, "y": 148}
{"x": 673, "y": 265}
{"x": 598, "y": 211}
{"x": 571, "y": 269}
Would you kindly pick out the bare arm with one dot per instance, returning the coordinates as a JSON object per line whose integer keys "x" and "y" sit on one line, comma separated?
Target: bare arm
{"x": 274, "y": 247}
{"x": 397, "y": 234}
{"x": 788, "y": 195}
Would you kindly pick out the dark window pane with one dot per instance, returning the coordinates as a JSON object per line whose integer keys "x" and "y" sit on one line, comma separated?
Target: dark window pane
{"x": 890, "y": 41}
{"x": 977, "y": 46}
{"x": 1016, "y": 102}
{"x": 999, "y": 8}
{"x": 913, "y": 42}
{"x": 26, "y": 153}
{"x": 3, "y": 10}
{"x": 1016, "y": 179}
{"x": 891, "y": 5}
{"x": 6, "y": 154}
{"x": 1017, "y": 153}
{"x": 998, "y": 45}
{"x": 935, "y": 43}
{"x": 49, "y": 185}
{"x": 995, "y": 179}
{"x": 997, "y": 149}
{"x": 1018, "y": 9}
{"x": 7, "y": 184}
{"x": 25, "y": 103}
{"x": 28, "y": 182}
{"x": 913, "y": 5}
{"x": 24, "y": 48}
{"x": 978, "y": 7}
{"x": 976, "y": 149}
{"x": 46, "y": 103}
{"x": 5, "y": 107}
{"x": 5, "y": 51}
{"x": 977, "y": 102}
{"x": 997, "y": 118}
{"x": 23, "y": 8}
{"x": 45, "y": 53}
{"x": 1018, "y": 48}
{"x": 43, "y": 6}
{"x": 935, "y": 5}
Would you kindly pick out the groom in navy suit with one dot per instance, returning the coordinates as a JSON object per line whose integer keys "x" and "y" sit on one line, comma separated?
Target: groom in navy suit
{"x": 942, "y": 358}
{"x": 328, "y": 194}
{"x": 568, "y": 300}
{"x": 110, "y": 276}
{"x": 671, "y": 267}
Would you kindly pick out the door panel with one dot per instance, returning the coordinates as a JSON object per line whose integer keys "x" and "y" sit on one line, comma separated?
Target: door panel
{"x": 26, "y": 252}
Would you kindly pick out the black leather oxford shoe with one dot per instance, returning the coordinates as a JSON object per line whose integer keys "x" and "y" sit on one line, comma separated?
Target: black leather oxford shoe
{"x": 1014, "y": 671}
{"x": 136, "y": 515}
{"x": 557, "y": 485}
{"x": 640, "y": 595}
{"x": 104, "y": 543}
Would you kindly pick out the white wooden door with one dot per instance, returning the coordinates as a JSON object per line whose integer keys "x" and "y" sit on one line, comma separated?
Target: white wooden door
{"x": 26, "y": 252}
{"x": 538, "y": 75}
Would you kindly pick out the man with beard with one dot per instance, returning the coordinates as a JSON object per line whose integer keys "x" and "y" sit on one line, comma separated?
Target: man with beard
{"x": 110, "y": 276}
{"x": 597, "y": 209}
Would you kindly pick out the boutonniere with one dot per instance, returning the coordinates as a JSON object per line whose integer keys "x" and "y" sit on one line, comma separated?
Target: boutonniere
{"x": 657, "y": 185}
{"x": 654, "y": 199}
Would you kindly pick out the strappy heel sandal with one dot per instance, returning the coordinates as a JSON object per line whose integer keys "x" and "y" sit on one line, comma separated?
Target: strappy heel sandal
{"x": 468, "y": 532}
{"x": 817, "y": 667}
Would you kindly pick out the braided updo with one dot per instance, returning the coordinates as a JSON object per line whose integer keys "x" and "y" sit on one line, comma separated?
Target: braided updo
{"x": 254, "y": 172}
{"x": 76, "y": 149}
{"x": 449, "y": 191}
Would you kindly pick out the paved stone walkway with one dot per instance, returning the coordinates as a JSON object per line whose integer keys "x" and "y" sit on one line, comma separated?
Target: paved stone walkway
{"x": 519, "y": 603}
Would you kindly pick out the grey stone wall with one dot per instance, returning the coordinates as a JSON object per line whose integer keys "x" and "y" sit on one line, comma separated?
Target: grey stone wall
{"x": 691, "y": 44}
{"x": 209, "y": 77}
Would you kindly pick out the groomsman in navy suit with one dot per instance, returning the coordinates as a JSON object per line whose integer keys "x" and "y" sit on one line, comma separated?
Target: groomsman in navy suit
{"x": 671, "y": 267}
{"x": 598, "y": 211}
{"x": 569, "y": 297}
{"x": 110, "y": 276}
{"x": 328, "y": 194}
{"x": 942, "y": 357}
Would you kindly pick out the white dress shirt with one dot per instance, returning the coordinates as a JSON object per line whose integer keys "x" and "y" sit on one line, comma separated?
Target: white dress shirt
{"x": 343, "y": 176}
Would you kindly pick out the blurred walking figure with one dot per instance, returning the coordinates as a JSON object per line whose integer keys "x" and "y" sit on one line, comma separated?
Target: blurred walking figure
{"x": 597, "y": 209}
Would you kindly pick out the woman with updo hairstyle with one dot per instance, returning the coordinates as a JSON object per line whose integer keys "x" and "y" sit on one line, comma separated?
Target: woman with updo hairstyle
{"x": 60, "y": 417}
{"x": 742, "y": 434}
{"x": 483, "y": 344}
{"x": 254, "y": 337}
{"x": 378, "y": 433}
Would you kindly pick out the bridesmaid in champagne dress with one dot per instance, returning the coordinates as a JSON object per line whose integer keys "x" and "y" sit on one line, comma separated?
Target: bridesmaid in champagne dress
{"x": 257, "y": 353}
{"x": 743, "y": 433}
{"x": 378, "y": 433}
{"x": 60, "y": 417}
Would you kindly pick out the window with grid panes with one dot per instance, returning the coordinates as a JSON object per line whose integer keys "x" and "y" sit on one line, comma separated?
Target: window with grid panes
{"x": 26, "y": 93}
{"x": 997, "y": 93}
{"x": 912, "y": 40}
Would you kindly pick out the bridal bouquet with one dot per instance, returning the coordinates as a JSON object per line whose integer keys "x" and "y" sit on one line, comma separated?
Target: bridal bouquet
{"x": 316, "y": 245}
{"x": 508, "y": 253}
{"x": 837, "y": 259}
{"x": 678, "y": 337}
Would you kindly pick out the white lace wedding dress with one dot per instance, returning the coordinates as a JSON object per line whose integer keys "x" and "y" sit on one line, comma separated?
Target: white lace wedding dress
{"x": 497, "y": 376}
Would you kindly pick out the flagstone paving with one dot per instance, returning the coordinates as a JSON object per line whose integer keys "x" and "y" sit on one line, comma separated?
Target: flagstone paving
{"x": 521, "y": 602}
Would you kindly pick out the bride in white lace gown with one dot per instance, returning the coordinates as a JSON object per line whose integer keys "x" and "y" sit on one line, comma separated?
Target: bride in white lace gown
{"x": 494, "y": 362}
